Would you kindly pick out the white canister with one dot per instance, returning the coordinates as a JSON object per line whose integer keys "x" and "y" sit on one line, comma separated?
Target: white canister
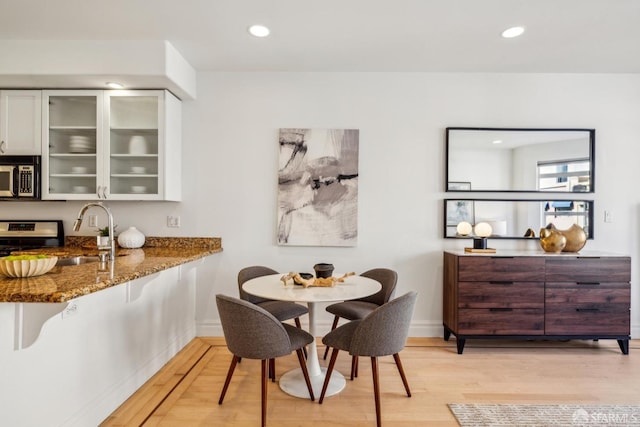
{"x": 131, "y": 238}
{"x": 138, "y": 145}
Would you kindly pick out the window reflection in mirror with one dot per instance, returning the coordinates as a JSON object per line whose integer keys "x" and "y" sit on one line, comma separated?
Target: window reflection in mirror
{"x": 511, "y": 219}
{"x": 528, "y": 160}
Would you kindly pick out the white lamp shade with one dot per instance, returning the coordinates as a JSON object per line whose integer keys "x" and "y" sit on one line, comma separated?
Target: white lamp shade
{"x": 482, "y": 229}
{"x": 464, "y": 228}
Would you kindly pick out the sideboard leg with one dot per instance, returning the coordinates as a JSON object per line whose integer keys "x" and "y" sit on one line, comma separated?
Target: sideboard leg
{"x": 447, "y": 334}
{"x": 624, "y": 346}
{"x": 460, "y": 342}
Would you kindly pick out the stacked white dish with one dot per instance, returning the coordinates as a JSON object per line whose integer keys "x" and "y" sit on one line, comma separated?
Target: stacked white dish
{"x": 80, "y": 144}
{"x": 138, "y": 169}
{"x": 79, "y": 169}
{"x": 138, "y": 189}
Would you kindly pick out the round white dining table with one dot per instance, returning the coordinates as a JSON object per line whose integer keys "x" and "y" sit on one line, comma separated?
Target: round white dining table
{"x": 271, "y": 287}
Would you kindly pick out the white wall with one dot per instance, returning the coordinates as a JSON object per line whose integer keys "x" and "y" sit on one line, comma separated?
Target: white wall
{"x": 230, "y": 168}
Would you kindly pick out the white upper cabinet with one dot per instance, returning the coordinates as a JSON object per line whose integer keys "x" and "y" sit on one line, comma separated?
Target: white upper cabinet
{"x": 114, "y": 145}
{"x": 20, "y": 122}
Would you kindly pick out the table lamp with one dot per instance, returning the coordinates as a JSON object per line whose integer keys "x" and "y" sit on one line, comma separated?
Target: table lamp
{"x": 482, "y": 230}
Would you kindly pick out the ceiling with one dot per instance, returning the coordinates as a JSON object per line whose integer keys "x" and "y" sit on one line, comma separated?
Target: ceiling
{"x": 562, "y": 36}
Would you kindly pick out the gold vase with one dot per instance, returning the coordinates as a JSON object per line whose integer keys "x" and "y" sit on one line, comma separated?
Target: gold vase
{"x": 575, "y": 235}
{"x": 552, "y": 240}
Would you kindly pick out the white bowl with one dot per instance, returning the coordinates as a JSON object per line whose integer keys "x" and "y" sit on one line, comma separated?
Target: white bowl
{"x": 79, "y": 169}
{"x": 138, "y": 189}
{"x": 26, "y": 267}
{"x": 138, "y": 169}
{"x": 82, "y": 189}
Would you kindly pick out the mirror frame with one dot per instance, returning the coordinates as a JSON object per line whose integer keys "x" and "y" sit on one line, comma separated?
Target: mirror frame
{"x": 592, "y": 159}
{"x": 590, "y": 217}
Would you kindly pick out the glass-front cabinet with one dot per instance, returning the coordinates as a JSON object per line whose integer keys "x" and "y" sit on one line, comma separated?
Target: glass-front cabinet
{"x": 115, "y": 145}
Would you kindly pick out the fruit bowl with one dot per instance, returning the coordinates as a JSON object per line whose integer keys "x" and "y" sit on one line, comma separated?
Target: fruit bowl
{"x": 26, "y": 265}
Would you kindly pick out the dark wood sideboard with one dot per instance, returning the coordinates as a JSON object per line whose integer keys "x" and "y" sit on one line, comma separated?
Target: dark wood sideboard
{"x": 536, "y": 296}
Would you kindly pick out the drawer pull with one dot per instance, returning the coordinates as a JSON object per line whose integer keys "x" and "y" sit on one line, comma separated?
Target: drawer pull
{"x": 588, "y": 283}
{"x": 500, "y": 282}
{"x": 502, "y": 257}
{"x": 501, "y": 309}
{"x": 587, "y": 310}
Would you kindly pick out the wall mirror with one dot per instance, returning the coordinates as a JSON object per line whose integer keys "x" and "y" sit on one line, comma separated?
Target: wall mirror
{"x": 529, "y": 160}
{"x": 510, "y": 219}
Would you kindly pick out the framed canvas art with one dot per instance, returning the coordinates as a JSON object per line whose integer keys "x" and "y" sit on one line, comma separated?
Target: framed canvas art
{"x": 318, "y": 187}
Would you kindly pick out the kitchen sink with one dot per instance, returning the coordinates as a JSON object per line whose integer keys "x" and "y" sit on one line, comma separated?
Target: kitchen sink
{"x": 76, "y": 260}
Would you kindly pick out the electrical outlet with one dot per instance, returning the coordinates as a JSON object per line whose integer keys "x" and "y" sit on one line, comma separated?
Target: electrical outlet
{"x": 173, "y": 221}
{"x": 93, "y": 220}
{"x": 607, "y": 216}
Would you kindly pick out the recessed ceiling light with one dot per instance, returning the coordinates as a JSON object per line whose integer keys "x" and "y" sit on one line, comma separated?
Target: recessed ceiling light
{"x": 512, "y": 32}
{"x": 259, "y": 31}
{"x": 114, "y": 85}
{"x": 497, "y": 141}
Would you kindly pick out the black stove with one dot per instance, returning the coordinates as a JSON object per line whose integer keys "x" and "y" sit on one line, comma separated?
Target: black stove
{"x": 20, "y": 235}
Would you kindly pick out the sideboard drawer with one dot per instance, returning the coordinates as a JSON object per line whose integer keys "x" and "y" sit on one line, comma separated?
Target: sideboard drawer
{"x": 501, "y": 321}
{"x": 588, "y": 269}
{"x": 587, "y": 319}
{"x": 504, "y": 294}
{"x": 486, "y": 269}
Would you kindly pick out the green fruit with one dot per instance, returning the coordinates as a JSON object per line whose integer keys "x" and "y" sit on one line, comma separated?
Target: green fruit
{"x": 24, "y": 257}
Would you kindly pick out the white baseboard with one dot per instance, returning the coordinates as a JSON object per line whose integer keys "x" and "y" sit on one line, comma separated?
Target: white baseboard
{"x": 417, "y": 329}
{"x": 420, "y": 328}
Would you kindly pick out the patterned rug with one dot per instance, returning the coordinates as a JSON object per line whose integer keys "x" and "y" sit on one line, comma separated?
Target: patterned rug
{"x": 469, "y": 415}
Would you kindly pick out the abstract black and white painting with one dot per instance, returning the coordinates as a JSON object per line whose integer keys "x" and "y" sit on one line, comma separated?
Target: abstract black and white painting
{"x": 318, "y": 187}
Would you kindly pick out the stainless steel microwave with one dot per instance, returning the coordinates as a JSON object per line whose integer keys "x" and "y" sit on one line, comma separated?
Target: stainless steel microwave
{"x": 19, "y": 177}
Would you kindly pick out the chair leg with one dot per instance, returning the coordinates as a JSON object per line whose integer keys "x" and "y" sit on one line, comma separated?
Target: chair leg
{"x": 232, "y": 367}
{"x": 354, "y": 365}
{"x": 272, "y": 370}
{"x": 396, "y": 357}
{"x": 376, "y": 389}
{"x": 305, "y": 373}
{"x": 263, "y": 383}
{"x": 327, "y": 377}
{"x": 299, "y": 326}
{"x": 335, "y": 325}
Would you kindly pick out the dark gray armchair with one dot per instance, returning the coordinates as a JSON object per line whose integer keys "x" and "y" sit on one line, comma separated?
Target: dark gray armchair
{"x": 359, "y": 308}
{"x": 282, "y": 310}
{"x": 383, "y": 332}
{"x": 253, "y": 333}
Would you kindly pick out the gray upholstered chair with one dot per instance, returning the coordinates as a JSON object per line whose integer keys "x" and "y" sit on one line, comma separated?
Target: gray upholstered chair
{"x": 282, "y": 310}
{"x": 360, "y": 308}
{"x": 383, "y": 332}
{"x": 253, "y": 333}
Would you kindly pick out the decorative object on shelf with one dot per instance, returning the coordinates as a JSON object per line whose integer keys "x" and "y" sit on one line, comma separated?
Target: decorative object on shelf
{"x": 323, "y": 270}
{"x": 529, "y": 233}
{"x": 552, "y": 240}
{"x": 26, "y": 265}
{"x": 575, "y": 237}
{"x": 131, "y": 238}
{"x": 138, "y": 145}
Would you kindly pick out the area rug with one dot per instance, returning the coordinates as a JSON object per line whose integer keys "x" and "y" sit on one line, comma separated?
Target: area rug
{"x": 545, "y": 415}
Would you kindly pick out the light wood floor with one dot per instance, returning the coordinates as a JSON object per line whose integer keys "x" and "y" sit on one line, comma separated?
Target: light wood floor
{"x": 186, "y": 391}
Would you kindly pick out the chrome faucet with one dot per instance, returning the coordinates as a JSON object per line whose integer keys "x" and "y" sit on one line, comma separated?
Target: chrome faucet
{"x": 111, "y": 241}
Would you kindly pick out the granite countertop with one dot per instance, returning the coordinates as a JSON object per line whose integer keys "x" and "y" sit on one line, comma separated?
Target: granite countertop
{"x": 65, "y": 283}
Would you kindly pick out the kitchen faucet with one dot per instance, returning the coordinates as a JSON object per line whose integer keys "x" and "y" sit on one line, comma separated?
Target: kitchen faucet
{"x": 111, "y": 241}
